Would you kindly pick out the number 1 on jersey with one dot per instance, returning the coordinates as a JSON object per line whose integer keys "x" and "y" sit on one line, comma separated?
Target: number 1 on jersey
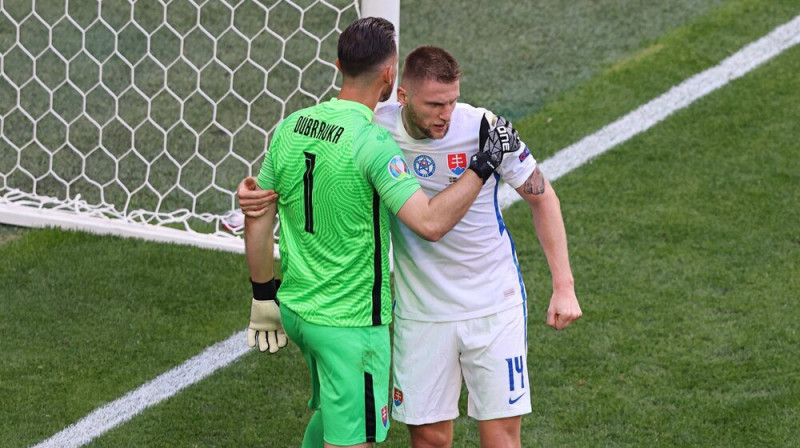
{"x": 308, "y": 187}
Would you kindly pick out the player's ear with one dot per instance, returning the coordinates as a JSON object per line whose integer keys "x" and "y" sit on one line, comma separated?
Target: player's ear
{"x": 338, "y": 64}
{"x": 387, "y": 73}
{"x": 402, "y": 95}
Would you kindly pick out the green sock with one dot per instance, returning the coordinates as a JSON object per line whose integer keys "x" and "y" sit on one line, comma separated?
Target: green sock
{"x": 313, "y": 437}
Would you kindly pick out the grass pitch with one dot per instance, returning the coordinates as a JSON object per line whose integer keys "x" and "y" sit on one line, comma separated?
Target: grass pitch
{"x": 683, "y": 244}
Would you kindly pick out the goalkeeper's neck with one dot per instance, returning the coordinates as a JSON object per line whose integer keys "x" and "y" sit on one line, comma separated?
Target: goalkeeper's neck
{"x": 370, "y": 87}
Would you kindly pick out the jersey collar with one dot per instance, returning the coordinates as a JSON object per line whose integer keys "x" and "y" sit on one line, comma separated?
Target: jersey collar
{"x": 355, "y": 105}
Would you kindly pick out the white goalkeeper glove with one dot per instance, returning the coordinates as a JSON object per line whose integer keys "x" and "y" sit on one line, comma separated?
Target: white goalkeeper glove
{"x": 265, "y": 318}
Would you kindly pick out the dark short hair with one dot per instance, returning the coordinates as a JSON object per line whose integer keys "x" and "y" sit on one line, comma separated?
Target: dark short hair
{"x": 431, "y": 63}
{"x": 365, "y": 44}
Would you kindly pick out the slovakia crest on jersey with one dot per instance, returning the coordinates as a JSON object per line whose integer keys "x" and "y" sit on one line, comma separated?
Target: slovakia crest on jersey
{"x": 385, "y": 416}
{"x": 457, "y": 163}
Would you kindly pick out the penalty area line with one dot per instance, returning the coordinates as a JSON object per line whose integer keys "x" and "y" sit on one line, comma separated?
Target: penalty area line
{"x": 226, "y": 352}
{"x": 678, "y": 97}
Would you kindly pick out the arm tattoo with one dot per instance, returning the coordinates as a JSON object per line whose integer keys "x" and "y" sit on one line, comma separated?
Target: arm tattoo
{"x": 535, "y": 183}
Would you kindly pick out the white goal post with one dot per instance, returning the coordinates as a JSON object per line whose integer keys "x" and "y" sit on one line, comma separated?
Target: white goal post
{"x": 138, "y": 118}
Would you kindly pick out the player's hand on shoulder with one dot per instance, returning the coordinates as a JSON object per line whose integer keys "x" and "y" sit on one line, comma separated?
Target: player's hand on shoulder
{"x": 504, "y": 135}
{"x": 252, "y": 199}
{"x": 497, "y": 138}
{"x": 564, "y": 309}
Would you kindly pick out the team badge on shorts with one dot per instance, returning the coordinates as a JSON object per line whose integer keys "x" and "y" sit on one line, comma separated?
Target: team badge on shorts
{"x": 457, "y": 163}
{"x": 398, "y": 397}
{"x": 424, "y": 166}
{"x": 385, "y": 416}
{"x": 398, "y": 168}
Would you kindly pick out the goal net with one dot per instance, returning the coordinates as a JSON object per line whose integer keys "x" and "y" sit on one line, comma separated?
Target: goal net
{"x": 140, "y": 117}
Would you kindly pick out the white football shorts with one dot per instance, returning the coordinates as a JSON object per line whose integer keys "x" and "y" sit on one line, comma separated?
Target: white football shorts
{"x": 430, "y": 359}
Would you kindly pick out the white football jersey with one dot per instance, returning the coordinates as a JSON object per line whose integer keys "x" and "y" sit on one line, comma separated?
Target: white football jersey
{"x": 473, "y": 270}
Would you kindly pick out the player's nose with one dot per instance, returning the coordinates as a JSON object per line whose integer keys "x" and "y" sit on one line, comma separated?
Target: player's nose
{"x": 446, "y": 114}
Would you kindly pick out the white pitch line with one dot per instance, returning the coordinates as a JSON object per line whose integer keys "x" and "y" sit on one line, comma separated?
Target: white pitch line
{"x": 678, "y": 97}
{"x": 153, "y": 392}
{"x": 564, "y": 161}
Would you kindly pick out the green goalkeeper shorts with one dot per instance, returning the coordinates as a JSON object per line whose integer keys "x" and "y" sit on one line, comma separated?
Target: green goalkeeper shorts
{"x": 349, "y": 377}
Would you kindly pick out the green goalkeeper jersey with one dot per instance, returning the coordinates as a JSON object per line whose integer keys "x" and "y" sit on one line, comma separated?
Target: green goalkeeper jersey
{"x": 338, "y": 177}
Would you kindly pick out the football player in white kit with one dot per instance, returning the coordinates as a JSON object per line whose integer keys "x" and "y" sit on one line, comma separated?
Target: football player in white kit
{"x": 460, "y": 303}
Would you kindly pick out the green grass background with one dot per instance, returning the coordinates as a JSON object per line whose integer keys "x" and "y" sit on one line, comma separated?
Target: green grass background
{"x": 683, "y": 241}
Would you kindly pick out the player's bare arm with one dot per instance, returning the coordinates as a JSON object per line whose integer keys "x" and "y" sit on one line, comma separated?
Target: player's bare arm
{"x": 546, "y": 210}
{"x": 535, "y": 183}
{"x": 432, "y": 218}
{"x": 258, "y": 243}
{"x": 253, "y": 200}
{"x": 265, "y": 330}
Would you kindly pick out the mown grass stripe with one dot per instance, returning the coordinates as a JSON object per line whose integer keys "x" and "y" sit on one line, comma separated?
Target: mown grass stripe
{"x": 643, "y": 118}
{"x": 153, "y": 392}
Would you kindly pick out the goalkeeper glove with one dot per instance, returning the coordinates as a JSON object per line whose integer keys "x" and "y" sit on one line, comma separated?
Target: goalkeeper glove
{"x": 265, "y": 318}
{"x": 495, "y": 142}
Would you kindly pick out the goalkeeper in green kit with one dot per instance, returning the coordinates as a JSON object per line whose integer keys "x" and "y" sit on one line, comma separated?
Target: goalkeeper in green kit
{"x": 338, "y": 177}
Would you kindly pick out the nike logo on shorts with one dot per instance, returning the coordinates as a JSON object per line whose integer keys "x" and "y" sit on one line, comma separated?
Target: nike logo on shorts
{"x": 514, "y": 400}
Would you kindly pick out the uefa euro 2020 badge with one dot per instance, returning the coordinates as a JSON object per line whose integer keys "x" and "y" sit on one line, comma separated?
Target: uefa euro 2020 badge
{"x": 398, "y": 168}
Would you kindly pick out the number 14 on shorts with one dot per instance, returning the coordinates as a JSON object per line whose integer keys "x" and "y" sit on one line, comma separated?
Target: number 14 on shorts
{"x": 516, "y": 369}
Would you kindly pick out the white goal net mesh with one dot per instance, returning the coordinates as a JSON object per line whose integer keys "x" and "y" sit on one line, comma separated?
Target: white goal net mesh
{"x": 152, "y": 111}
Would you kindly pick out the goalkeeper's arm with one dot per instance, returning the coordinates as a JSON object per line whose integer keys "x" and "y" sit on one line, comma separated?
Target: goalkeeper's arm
{"x": 265, "y": 329}
{"x": 431, "y": 218}
{"x": 258, "y": 244}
